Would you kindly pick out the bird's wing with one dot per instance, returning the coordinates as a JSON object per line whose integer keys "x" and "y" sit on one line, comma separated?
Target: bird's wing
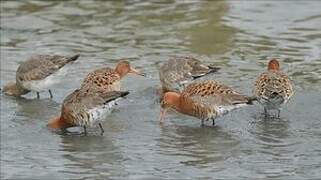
{"x": 101, "y": 79}
{"x": 179, "y": 71}
{"x": 199, "y": 69}
{"x": 211, "y": 94}
{"x": 61, "y": 60}
{"x": 209, "y": 87}
{"x": 82, "y": 107}
{"x": 39, "y": 67}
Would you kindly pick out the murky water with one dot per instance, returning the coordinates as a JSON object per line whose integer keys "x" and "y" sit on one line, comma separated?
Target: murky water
{"x": 237, "y": 36}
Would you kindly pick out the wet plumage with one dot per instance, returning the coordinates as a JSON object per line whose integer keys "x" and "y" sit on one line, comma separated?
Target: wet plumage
{"x": 205, "y": 100}
{"x": 273, "y": 87}
{"x": 179, "y": 71}
{"x": 37, "y": 74}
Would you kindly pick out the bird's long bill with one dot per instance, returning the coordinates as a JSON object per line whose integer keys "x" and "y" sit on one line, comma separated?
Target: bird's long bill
{"x": 162, "y": 115}
{"x": 134, "y": 71}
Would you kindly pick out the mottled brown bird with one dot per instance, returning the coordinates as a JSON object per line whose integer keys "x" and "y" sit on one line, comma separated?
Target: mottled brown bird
{"x": 38, "y": 74}
{"x": 179, "y": 71}
{"x": 108, "y": 79}
{"x": 273, "y": 88}
{"x": 205, "y": 100}
{"x": 85, "y": 108}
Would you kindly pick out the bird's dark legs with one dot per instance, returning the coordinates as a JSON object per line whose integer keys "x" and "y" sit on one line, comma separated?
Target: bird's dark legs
{"x": 38, "y": 95}
{"x": 101, "y": 128}
{"x": 265, "y": 112}
{"x": 85, "y": 131}
{"x": 202, "y": 122}
{"x": 213, "y": 122}
{"x": 50, "y": 93}
{"x": 278, "y": 113}
{"x": 267, "y": 115}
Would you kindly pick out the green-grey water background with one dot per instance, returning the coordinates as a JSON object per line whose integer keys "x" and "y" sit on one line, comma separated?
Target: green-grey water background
{"x": 238, "y": 36}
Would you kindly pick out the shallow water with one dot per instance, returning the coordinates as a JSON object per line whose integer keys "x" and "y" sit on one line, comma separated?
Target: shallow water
{"x": 237, "y": 36}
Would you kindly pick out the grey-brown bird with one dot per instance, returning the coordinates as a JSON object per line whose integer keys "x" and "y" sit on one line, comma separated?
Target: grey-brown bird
{"x": 86, "y": 108}
{"x": 108, "y": 79}
{"x": 38, "y": 74}
{"x": 205, "y": 100}
{"x": 179, "y": 71}
{"x": 273, "y": 88}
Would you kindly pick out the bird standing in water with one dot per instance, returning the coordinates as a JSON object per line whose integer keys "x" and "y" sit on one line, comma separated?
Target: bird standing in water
{"x": 205, "y": 100}
{"x": 273, "y": 88}
{"x": 38, "y": 74}
{"x": 86, "y": 109}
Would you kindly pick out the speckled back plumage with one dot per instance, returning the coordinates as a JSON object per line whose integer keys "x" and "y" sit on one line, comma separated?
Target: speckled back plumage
{"x": 86, "y": 108}
{"x": 273, "y": 88}
{"x": 182, "y": 70}
{"x": 103, "y": 80}
{"x": 210, "y": 99}
{"x": 39, "y": 67}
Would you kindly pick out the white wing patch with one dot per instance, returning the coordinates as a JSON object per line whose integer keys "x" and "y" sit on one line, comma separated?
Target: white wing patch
{"x": 45, "y": 84}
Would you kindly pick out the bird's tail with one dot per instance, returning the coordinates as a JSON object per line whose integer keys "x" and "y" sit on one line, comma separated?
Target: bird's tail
{"x": 73, "y": 58}
{"x": 113, "y": 95}
{"x": 124, "y": 93}
{"x": 251, "y": 99}
{"x": 213, "y": 68}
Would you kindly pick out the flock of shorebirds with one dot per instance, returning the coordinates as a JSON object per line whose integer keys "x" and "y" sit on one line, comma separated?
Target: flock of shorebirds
{"x": 100, "y": 90}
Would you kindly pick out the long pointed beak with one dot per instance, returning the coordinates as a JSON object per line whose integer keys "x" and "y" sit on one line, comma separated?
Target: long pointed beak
{"x": 162, "y": 115}
{"x": 134, "y": 71}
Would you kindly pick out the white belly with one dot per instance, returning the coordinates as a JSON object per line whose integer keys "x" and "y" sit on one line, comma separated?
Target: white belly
{"x": 100, "y": 113}
{"x": 45, "y": 84}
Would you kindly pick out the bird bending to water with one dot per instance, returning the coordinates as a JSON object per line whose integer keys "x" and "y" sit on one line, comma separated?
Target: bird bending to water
{"x": 179, "y": 71}
{"x": 273, "y": 88}
{"x": 205, "y": 100}
{"x": 37, "y": 74}
{"x": 85, "y": 108}
{"x": 108, "y": 79}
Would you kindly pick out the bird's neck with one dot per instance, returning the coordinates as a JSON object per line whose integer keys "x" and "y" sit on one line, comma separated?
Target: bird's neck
{"x": 22, "y": 90}
{"x": 18, "y": 90}
{"x": 58, "y": 123}
{"x": 120, "y": 72}
{"x": 179, "y": 104}
{"x": 185, "y": 106}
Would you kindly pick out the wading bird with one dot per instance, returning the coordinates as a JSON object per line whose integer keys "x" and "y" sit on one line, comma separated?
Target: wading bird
{"x": 38, "y": 74}
{"x": 205, "y": 100}
{"x": 273, "y": 88}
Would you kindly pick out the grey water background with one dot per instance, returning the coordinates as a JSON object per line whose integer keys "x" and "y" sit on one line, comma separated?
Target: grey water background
{"x": 238, "y": 36}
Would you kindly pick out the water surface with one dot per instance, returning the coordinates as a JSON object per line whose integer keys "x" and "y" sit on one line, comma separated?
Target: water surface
{"x": 237, "y": 36}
